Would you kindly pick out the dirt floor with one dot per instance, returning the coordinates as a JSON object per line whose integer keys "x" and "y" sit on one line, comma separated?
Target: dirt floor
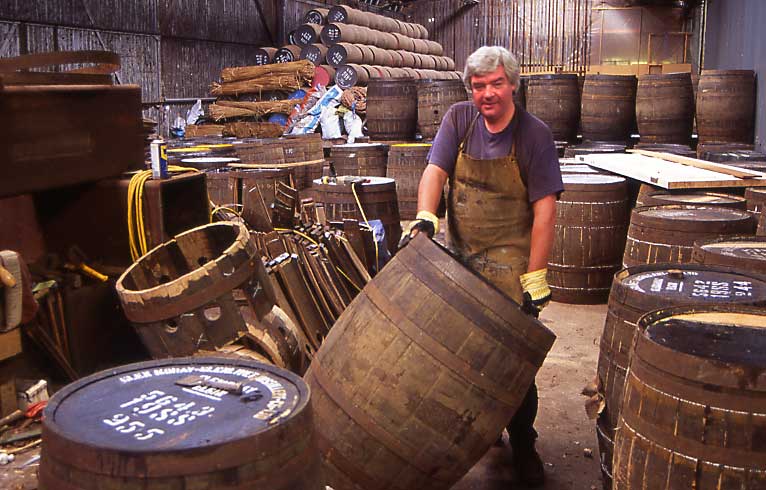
{"x": 565, "y": 432}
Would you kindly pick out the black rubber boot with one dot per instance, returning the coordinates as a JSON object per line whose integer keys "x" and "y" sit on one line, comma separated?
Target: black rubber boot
{"x": 528, "y": 465}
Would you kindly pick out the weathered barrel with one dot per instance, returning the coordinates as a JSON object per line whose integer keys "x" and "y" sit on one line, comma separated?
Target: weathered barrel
{"x": 392, "y": 109}
{"x": 729, "y": 152}
{"x": 315, "y": 53}
{"x": 288, "y": 53}
{"x": 756, "y": 199}
{"x": 638, "y": 290}
{"x": 257, "y": 188}
{"x": 578, "y": 169}
{"x": 179, "y": 295}
{"x": 659, "y": 234}
{"x": 406, "y": 163}
{"x": 608, "y": 107}
{"x": 307, "y": 34}
{"x": 591, "y": 224}
{"x": 662, "y": 197}
{"x": 435, "y": 97}
{"x": 594, "y": 147}
{"x": 348, "y": 15}
{"x": 361, "y": 159}
{"x": 425, "y": 394}
{"x": 747, "y": 253}
{"x": 264, "y": 56}
{"x": 344, "y": 53}
{"x": 204, "y": 422}
{"x": 726, "y": 106}
{"x": 675, "y": 149}
{"x": 555, "y": 99}
{"x": 207, "y": 162}
{"x": 349, "y": 75}
{"x": 695, "y": 402}
{"x": 316, "y": 16}
{"x": 377, "y": 197}
{"x": 665, "y": 108}
{"x": 222, "y": 187}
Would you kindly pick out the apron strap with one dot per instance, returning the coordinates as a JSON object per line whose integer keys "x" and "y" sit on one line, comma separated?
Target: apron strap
{"x": 469, "y": 132}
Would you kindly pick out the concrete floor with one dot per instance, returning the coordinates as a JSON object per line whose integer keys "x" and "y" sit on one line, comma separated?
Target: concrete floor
{"x": 565, "y": 433}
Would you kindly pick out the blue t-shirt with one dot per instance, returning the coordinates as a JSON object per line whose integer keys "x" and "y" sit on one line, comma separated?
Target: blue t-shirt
{"x": 535, "y": 149}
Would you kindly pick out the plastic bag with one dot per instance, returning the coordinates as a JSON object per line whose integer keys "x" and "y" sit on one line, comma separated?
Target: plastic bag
{"x": 330, "y": 123}
{"x": 353, "y": 124}
{"x": 196, "y": 112}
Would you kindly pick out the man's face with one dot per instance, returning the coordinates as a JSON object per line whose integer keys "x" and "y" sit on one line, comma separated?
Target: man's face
{"x": 492, "y": 94}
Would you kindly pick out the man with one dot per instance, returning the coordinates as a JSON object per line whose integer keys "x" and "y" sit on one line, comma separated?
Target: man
{"x": 504, "y": 180}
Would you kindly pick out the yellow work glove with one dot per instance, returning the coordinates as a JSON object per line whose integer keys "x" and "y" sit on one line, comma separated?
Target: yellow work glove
{"x": 537, "y": 294}
{"x": 425, "y": 222}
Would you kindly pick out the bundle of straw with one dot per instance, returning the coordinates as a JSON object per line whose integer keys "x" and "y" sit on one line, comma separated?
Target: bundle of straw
{"x": 194, "y": 130}
{"x": 253, "y": 130}
{"x": 256, "y": 86}
{"x": 302, "y": 69}
{"x": 226, "y": 109}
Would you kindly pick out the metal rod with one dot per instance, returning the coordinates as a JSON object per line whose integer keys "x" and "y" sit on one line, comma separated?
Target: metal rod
{"x": 178, "y": 101}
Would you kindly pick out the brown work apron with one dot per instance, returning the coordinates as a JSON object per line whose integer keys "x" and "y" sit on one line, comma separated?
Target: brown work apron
{"x": 489, "y": 218}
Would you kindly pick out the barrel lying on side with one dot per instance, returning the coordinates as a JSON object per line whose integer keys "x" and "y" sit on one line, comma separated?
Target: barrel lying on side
{"x": 660, "y": 234}
{"x": 420, "y": 374}
{"x": 638, "y": 290}
{"x": 695, "y": 402}
{"x": 591, "y": 225}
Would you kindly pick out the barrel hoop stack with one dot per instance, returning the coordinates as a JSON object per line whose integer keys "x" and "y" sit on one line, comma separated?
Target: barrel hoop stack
{"x": 400, "y": 374}
{"x": 695, "y": 401}
{"x": 639, "y": 290}
{"x": 591, "y": 224}
{"x": 182, "y": 423}
{"x": 660, "y": 234}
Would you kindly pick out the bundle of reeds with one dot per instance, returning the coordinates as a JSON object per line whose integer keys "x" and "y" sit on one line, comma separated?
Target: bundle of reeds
{"x": 227, "y": 109}
{"x": 258, "y": 85}
{"x": 302, "y": 69}
{"x": 197, "y": 130}
{"x": 253, "y": 130}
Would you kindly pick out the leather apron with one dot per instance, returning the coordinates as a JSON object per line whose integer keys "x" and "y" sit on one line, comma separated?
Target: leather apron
{"x": 489, "y": 217}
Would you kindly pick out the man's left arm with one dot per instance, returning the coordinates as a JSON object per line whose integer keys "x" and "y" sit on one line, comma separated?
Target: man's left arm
{"x": 544, "y": 219}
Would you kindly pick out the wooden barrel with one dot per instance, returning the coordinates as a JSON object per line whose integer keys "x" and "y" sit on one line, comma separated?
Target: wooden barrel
{"x": 761, "y": 231}
{"x": 664, "y": 197}
{"x": 348, "y": 15}
{"x": 207, "y": 162}
{"x": 665, "y": 108}
{"x": 675, "y": 149}
{"x": 594, "y": 147}
{"x": 264, "y": 56}
{"x": 578, "y": 169}
{"x": 555, "y": 99}
{"x": 336, "y": 32}
{"x": 316, "y": 16}
{"x": 747, "y": 253}
{"x": 608, "y": 107}
{"x": 307, "y": 34}
{"x": 288, "y": 53}
{"x": 361, "y": 159}
{"x": 426, "y": 394}
{"x": 666, "y": 234}
{"x": 756, "y": 199}
{"x": 639, "y": 290}
{"x": 257, "y": 188}
{"x": 350, "y": 75}
{"x": 591, "y": 223}
{"x": 302, "y": 147}
{"x": 695, "y": 402}
{"x": 435, "y": 97}
{"x": 315, "y": 53}
{"x": 406, "y": 163}
{"x": 179, "y": 295}
{"x": 392, "y": 109}
{"x": 377, "y": 197}
{"x": 222, "y": 187}
{"x": 726, "y": 106}
{"x": 729, "y": 152}
{"x": 179, "y": 423}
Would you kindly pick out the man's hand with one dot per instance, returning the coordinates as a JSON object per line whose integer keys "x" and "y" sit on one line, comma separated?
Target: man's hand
{"x": 537, "y": 294}
{"x": 426, "y": 222}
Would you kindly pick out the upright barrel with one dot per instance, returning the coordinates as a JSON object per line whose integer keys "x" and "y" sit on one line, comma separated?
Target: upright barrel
{"x": 639, "y": 290}
{"x": 406, "y": 163}
{"x": 422, "y": 370}
{"x": 726, "y": 106}
{"x": 594, "y": 147}
{"x": 435, "y": 97}
{"x": 555, "y": 99}
{"x": 695, "y": 402}
{"x": 182, "y": 423}
{"x": 662, "y": 197}
{"x": 361, "y": 159}
{"x": 756, "y": 199}
{"x": 377, "y": 198}
{"x": 591, "y": 225}
{"x": 747, "y": 253}
{"x": 665, "y": 108}
{"x": 608, "y": 107}
{"x": 392, "y": 108}
{"x": 660, "y": 234}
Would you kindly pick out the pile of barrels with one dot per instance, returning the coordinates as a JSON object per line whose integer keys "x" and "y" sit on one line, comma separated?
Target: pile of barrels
{"x": 353, "y": 47}
{"x": 661, "y": 107}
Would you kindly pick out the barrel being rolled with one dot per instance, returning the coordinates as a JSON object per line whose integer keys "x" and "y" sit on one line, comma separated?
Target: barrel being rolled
{"x": 422, "y": 370}
{"x": 666, "y": 234}
{"x": 377, "y": 197}
{"x": 182, "y": 423}
{"x": 695, "y": 402}
{"x": 665, "y": 108}
{"x": 555, "y": 100}
{"x": 406, "y": 163}
{"x": 608, "y": 107}
{"x": 639, "y": 290}
{"x": 591, "y": 224}
{"x": 361, "y": 159}
{"x": 726, "y": 106}
{"x": 392, "y": 109}
{"x": 435, "y": 97}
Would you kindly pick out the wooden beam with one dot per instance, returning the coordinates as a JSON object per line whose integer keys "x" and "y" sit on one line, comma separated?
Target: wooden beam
{"x": 693, "y": 162}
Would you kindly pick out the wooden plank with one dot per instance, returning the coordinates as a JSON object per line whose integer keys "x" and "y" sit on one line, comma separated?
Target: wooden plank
{"x": 694, "y": 162}
{"x": 666, "y": 174}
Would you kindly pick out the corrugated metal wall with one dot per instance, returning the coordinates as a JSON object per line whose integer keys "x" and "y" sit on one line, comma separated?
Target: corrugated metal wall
{"x": 736, "y": 40}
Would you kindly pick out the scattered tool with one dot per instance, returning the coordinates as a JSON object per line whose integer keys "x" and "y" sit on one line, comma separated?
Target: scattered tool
{"x": 221, "y": 384}
{"x": 77, "y": 259}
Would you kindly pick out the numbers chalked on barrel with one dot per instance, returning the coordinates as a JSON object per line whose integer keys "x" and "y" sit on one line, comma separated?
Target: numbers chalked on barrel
{"x": 177, "y": 404}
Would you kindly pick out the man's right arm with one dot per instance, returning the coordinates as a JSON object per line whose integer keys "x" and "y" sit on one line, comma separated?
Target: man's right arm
{"x": 430, "y": 189}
